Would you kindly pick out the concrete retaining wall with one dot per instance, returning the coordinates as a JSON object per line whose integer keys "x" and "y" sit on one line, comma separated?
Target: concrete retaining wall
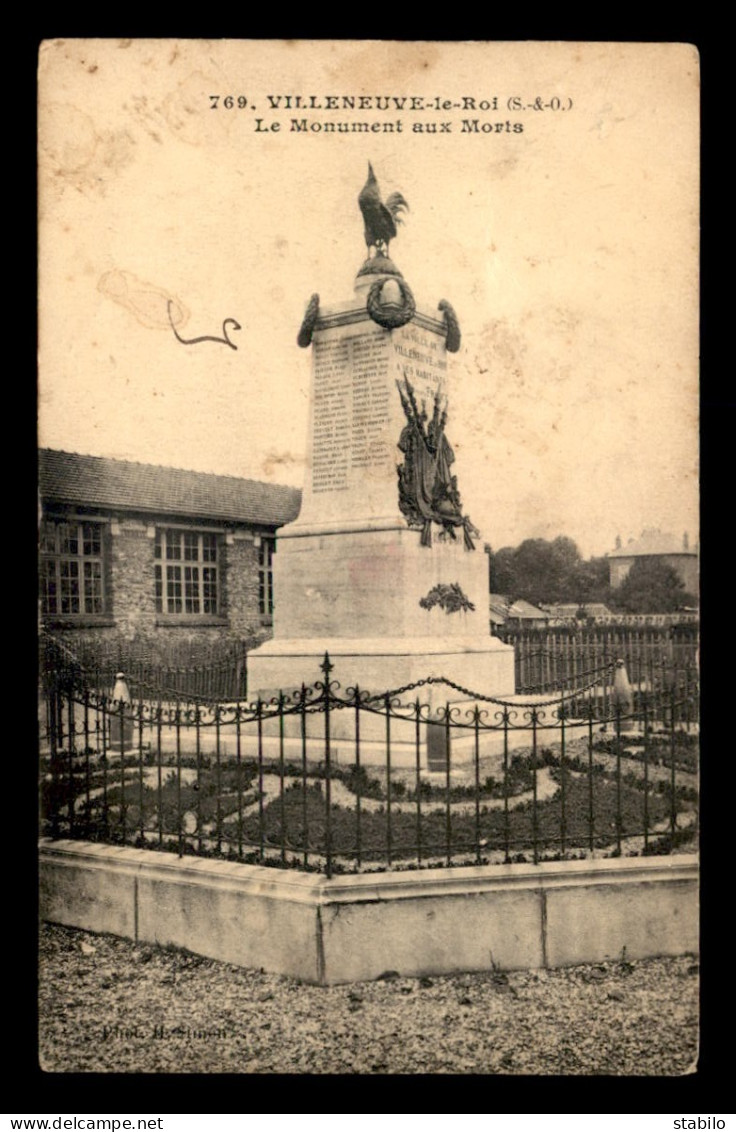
{"x": 435, "y": 921}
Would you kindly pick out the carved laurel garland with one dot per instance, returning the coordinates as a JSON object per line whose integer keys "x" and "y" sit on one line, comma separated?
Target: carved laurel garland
{"x": 389, "y": 316}
{"x": 453, "y": 326}
{"x": 304, "y": 338}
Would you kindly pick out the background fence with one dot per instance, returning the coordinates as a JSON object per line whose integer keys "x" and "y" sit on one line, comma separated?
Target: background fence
{"x": 469, "y": 778}
{"x": 208, "y": 670}
{"x": 550, "y": 659}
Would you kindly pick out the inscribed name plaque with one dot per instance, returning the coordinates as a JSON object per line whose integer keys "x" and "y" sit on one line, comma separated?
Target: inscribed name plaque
{"x": 357, "y": 416}
{"x": 351, "y": 408}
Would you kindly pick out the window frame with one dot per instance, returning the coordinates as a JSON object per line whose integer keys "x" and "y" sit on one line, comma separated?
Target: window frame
{"x": 197, "y": 551}
{"x": 77, "y": 575}
{"x": 266, "y": 551}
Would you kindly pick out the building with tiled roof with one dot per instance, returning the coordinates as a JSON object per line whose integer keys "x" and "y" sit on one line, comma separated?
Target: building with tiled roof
{"x": 122, "y": 484}
{"x": 653, "y": 543}
{"x": 503, "y": 611}
{"x": 139, "y": 549}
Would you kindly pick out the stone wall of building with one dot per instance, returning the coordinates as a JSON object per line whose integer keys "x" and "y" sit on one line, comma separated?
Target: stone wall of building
{"x": 132, "y": 597}
{"x": 241, "y": 585}
{"x": 130, "y": 587}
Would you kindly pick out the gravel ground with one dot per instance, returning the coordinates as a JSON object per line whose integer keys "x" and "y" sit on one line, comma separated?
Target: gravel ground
{"x": 108, "y": 1005}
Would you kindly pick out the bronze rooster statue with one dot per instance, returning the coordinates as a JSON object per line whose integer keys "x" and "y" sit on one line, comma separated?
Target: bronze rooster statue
{"x": 380, "y": 219}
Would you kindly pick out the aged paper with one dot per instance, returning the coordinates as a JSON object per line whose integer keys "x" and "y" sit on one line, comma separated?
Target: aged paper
{"x": 195, "y": 194}
{"x": 553, "y": 201}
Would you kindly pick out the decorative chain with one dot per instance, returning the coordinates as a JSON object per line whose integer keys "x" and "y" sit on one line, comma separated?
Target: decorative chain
{"x": 494, "y": 699}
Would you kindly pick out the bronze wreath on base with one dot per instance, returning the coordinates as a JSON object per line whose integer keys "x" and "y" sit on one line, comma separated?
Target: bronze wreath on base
{"x": 449, "y": 597}
{"x": 390, "y": 316}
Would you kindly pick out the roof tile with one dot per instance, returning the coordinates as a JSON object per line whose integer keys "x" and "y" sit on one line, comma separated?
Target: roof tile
{"x": 97, "y": 481}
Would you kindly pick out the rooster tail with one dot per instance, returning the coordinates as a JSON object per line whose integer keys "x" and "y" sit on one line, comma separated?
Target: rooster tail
{"x": 396, "y": 203}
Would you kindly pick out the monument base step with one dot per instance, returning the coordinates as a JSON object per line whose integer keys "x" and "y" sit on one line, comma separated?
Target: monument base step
{"x": 481, "y": 665}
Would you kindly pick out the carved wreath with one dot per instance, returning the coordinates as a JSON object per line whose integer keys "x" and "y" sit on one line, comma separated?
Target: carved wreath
{"x": 389, "y": 316}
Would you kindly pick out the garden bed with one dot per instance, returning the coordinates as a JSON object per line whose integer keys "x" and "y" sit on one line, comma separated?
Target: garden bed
{"x": 543, "y": 804}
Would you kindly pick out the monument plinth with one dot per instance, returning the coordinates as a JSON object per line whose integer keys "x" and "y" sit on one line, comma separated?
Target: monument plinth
{"x": 380, "y": 568}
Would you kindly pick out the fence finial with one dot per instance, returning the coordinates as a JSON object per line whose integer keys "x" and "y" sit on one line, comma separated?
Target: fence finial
{"x": 623, "y": 695}
{"x": 121, "y": 691}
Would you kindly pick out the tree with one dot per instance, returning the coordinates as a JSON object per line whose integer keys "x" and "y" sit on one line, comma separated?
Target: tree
{"x": 548, "y": 571}
{"x": 592, "y": 581}
{"x": 651, "y": 586}
{"x": 537, "y": 570}
{"x": 502, "y": 578}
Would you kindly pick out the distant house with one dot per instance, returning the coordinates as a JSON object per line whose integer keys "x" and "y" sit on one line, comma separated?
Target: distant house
{"x": 515, "y": 614}
{"x": 655, "y": 544}
{"x": 137, "y": 549}
{"x": 498, "y": 607}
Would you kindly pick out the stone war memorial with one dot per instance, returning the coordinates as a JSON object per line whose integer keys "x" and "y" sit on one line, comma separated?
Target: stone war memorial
{"x": 382, "y": 569}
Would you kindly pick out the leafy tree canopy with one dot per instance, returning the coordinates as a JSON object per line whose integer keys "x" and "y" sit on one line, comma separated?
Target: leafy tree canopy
{"x": 541, "y": 570}
{"x": 549, "y": 571}
{"x": 651, "y": 586}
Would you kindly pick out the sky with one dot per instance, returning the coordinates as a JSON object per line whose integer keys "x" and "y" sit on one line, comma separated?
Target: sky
{"x": 565, "y": 236}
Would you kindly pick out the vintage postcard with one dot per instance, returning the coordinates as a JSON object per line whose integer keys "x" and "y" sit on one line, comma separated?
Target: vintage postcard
{"x": 273, "y": 275}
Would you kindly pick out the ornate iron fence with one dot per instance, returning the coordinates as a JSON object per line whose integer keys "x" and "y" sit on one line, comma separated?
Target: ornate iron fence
{"x": 332, "y": 780}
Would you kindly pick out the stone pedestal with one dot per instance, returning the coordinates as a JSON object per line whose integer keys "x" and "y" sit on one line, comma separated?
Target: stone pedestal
{"x": 350, "y": 574}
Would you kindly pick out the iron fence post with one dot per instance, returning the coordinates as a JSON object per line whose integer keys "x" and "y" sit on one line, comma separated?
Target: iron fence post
{"x": 591, "y": 818}
{"x": 239, "y": 773}
{"x": 159, "y": 773}
{"x": 563, "y": 784}
{"x": 673, "y": 798}
{"x": 506, "y": 819}
{"x": 448, "y": 806}
{"x": 140, "y": 771}
{"x": 645, "y": 721}
{"x": 326, "y": 669}
{"x": 218, "y": 773}
{"x": 71, "y": 745}
{"x": 418, "y": 759}
{"x": 87, "y": 796}
{"x": 305, "y": 784}
{"x": 261, "y": 819}
{"x": 55, "y": 786}
{"x": 358, "y": 781}
{"x": 123, "y": 799}
{"x": 282, "y": 799}
{"x": 179, "y": 815}
{"x": 105, "y": 804}
{"x": 198, "y": 785}
{"x": 535, "y": 831}
{"x": 387, "y": 709}
{"x": 476, "y": 736}
{"x": 619, "y": 816}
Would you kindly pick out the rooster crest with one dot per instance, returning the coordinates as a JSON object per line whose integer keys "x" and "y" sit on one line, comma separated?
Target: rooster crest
{"x": 380, "y": 219}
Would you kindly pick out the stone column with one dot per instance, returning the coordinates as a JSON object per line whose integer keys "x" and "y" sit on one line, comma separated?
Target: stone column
{"x": 350, "y": 573}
